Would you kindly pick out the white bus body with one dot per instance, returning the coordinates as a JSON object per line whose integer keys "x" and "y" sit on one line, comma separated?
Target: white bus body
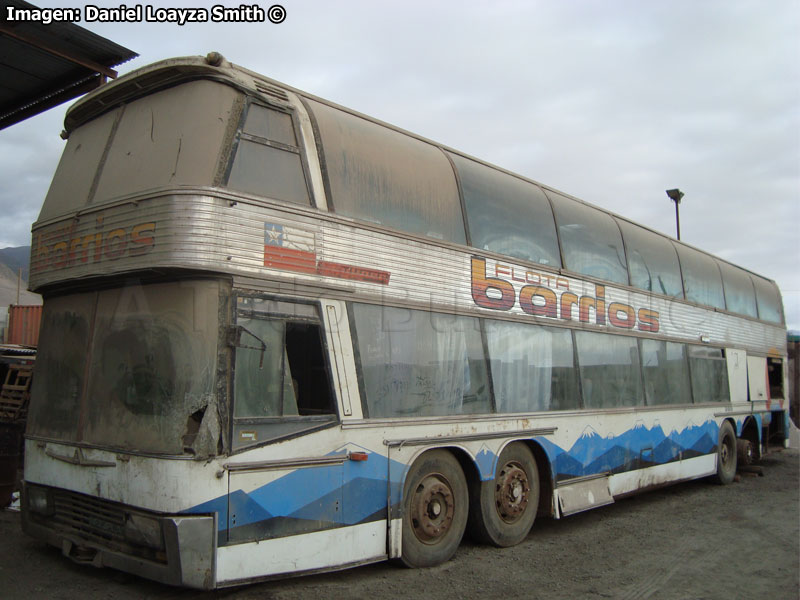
{"x": 227, "y": 390}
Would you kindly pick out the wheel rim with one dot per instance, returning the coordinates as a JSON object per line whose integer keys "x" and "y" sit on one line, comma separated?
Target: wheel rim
{"x": 512, "y": 492}
{"x": 726, "y": 453}
{"x": 432, "y": 509}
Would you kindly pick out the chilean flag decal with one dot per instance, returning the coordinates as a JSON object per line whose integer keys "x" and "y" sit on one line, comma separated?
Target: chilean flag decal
{"x": 289, "y": 248}
{"x": 295, "y": 249}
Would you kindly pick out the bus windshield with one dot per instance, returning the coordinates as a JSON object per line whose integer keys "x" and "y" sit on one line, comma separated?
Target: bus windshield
{"x": 131, "y": 368}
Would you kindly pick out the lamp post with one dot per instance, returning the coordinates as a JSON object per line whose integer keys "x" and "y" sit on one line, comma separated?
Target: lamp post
{"x": 676, "y": 195}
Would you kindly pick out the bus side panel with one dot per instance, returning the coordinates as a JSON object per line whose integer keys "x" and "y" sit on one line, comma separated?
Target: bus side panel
{"x": 335, "y": 548}
{"x": 610, "y": 446}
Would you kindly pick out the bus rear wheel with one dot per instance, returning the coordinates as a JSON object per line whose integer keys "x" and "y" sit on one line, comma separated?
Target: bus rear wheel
{"x": 726, "y": 454}
{"x": 503, "y": 510}
{"x": 436, "y": 504}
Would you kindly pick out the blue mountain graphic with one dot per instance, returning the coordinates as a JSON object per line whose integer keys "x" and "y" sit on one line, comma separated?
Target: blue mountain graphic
{"x": 689, "y": 436}
{"x": 485, "y": 460}
{"x": 705, "y": 444}
{"x": 666, "y": 451}
{"x": 592, "y": 453}
{"x": 363, "y": 497}
{"x": 611, "y": 460}
{"x": 244, "y": 510}
{"x": 640, "y": 437}
{"x": 566, "y": 465}
{"x": 552, "y": 450}
{"x": 589, "y": 446}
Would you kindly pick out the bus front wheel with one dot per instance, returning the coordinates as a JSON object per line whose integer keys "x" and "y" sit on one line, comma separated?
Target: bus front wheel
{"x": 436, "y": 504}
{"x": 503, "y": 509}
{"x": 726, "y": 454}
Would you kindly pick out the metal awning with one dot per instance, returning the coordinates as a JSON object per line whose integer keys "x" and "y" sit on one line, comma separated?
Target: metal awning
{"x": 42, "y": 66}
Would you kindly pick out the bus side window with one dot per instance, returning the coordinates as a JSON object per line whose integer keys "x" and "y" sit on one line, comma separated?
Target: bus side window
{"x": 268, "y": 158}
{"x": 709, "y": 374}
{"x": 307, "y": 363}
{"x": 281, "y": 383}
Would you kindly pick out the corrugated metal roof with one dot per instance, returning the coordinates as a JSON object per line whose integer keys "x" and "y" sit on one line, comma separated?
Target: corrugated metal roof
{"x": 42, "y": 66}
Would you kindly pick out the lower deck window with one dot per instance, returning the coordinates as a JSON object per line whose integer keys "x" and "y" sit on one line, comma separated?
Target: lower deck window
{"x": 532, "y": 367}
{"x": 666, "y": 373}
{"x": 416, "y": 363}
{"x": 709, "y": 374}
{"x": 609, "y": 366}
{"x": 281, "y": 383}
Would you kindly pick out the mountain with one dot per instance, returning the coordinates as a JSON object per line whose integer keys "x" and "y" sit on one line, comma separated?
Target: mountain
{"x": 15, "y": 258}
{"x": 11, "y": 260}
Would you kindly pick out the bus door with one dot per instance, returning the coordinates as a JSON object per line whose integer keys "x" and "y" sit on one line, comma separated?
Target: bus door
{"x": 757, "y": 377}
{"x": 286, "y": 473}
{"x": 737, "y": 374}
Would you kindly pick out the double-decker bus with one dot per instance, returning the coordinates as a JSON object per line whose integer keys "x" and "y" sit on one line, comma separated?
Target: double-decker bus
{"x": 281, "y": 337}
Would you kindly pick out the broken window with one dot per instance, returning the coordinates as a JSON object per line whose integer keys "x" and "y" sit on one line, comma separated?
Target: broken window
{"x": 280, "y": 382}
{"x": 775, "y": 376}
{"x": 131, "y": 368}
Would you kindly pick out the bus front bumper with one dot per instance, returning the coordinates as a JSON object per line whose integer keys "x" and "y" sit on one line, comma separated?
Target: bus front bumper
{"x": 173, "y": 549}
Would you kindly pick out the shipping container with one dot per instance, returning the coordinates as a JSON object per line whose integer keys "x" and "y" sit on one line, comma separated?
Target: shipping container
{"x": 23, "y": 325}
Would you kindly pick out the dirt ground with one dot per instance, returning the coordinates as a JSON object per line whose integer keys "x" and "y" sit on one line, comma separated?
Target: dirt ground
{"x": 694, "y": 540}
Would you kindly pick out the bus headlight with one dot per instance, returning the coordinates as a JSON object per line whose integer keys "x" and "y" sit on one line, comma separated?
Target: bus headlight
{"x": 39, "y": 500}
{"x": 144, "y": 531}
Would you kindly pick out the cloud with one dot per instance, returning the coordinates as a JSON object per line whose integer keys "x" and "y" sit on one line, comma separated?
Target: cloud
{"x": 613, "y": 102}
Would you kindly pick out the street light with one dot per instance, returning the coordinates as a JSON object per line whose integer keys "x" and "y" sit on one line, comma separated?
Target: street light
{"x": 676, "y": 195}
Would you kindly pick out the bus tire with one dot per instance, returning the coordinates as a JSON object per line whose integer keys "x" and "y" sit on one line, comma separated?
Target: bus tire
{"x": 726, "y": 454}
{"x": 435, "y": 508}
{"x": 503, "y": 510}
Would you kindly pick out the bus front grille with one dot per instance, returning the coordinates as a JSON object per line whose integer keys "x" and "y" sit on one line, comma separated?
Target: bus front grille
{"x": 93, "y": 517}
{"x": 99, "y": 522}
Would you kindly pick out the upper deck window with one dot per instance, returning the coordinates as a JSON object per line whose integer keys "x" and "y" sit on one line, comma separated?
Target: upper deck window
{"x": 702, "y": 281}
{"x": 652, "y": 261}
{"x": 770, "y": 307}
{"x": 590, "y": 240}
{"x": 740, "y": 296}
{"x": 268, "y": 159}
{"x": 506, "y": 214}
{"x": 387, "y": 177}
{"x": 172, "y": 137}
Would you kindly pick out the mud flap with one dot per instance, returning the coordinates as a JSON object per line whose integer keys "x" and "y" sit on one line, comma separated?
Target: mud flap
{"x": 575, "y": 496}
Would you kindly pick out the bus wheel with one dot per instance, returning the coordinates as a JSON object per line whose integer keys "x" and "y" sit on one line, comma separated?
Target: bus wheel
{"x": 504, "y": 509}
{"x": 726, "y": 454}
{"x": 436, "y": 503}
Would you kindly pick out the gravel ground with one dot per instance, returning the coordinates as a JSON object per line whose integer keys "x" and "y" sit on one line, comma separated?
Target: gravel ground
{"x": 693, "y": 540}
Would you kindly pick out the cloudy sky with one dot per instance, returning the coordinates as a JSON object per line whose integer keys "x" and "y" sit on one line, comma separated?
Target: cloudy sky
{"x": 612, "y": 101}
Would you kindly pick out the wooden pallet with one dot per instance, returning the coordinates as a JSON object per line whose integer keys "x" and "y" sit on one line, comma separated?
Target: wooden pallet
{"x": 16, "y": 393}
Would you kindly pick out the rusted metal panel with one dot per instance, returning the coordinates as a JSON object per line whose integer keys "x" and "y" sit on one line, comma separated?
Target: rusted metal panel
{"x": 23, "y": 325}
